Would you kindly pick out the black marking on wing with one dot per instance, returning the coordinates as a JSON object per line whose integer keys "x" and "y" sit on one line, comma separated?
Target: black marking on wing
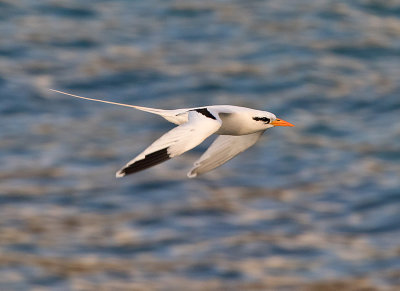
{"x": 205, "y": 112}
{"x": 150, "y": 160}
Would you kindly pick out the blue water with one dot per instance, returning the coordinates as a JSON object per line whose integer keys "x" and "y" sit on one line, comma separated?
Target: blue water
{"x": 307, "y": 207}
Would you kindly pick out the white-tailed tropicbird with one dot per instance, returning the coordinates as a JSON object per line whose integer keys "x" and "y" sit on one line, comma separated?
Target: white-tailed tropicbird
{"x": 238, "y": 128}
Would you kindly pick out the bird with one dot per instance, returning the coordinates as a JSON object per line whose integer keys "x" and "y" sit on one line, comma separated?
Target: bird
{"x": 238, "y": 128}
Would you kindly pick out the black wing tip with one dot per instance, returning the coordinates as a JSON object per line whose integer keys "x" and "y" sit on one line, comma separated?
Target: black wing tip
{"x": 149, "y": 160}
{"x": 120, "y": 174}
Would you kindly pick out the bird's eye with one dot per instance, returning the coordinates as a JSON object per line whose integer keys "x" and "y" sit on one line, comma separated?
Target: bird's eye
{"x": 264, "y": 119}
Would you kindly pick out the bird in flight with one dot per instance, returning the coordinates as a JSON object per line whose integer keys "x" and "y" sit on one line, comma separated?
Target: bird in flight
{"x": 238, "y": 128}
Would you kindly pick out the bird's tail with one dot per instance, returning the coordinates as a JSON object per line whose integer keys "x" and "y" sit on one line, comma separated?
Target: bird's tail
{"x": 161, "y": 112}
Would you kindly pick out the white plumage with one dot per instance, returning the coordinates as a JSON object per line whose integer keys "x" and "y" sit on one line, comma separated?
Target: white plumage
{"x": 238, "y": 128}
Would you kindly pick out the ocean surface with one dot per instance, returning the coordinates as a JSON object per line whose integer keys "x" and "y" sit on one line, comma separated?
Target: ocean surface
{"x": 312, "y": 207}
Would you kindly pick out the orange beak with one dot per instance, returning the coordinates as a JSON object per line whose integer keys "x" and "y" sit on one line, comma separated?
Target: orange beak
{"x": 280, "y": 122}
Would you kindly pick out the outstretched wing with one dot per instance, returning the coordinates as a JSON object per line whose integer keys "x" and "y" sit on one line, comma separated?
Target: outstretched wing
{"x": 175, "y": 142}
{"x": 224, "y": 148}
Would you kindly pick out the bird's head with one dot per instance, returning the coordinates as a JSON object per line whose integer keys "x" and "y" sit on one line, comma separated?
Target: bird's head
{"x": 267, "y": 120}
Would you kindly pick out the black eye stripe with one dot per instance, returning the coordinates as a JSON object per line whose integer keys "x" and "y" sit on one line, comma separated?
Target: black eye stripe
{"x": 264, "y": 119}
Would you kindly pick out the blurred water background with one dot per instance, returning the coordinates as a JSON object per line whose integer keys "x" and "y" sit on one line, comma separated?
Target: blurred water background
{"x": 314, "y": 207}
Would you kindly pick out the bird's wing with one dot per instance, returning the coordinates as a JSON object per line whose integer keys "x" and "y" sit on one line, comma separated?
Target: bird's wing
{"x": 224, "y": 148}
{"x": 175, "y": 142}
